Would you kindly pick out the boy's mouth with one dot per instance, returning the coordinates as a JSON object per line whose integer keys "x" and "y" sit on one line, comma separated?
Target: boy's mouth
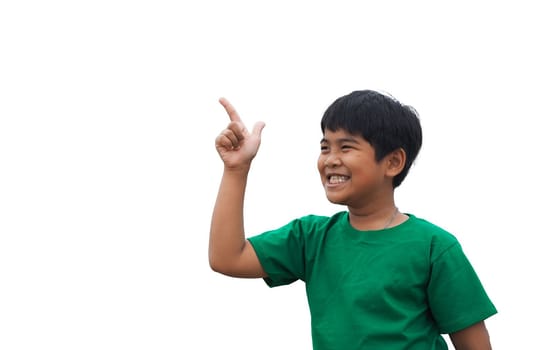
{"x": 337, "y": 179}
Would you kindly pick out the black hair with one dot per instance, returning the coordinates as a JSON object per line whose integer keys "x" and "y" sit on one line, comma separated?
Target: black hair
{"x": 381, "y": 120}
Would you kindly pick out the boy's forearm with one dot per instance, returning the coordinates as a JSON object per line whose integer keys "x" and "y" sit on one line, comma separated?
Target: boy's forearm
{"x": 227, "y": 236}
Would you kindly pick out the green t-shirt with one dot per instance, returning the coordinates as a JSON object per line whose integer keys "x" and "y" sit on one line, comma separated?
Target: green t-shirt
{"x": 398, "y": 288}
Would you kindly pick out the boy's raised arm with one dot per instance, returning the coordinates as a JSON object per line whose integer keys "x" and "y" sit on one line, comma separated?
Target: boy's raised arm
{"x": 229, "y": 252}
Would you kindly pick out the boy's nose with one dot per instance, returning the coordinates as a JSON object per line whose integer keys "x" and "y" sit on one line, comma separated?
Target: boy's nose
{"x": 332, "y": 161}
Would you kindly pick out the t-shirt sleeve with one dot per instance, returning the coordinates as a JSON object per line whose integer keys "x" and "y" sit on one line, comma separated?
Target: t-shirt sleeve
{"x": 281, "y": 253}
{"x": 456, "y": 296}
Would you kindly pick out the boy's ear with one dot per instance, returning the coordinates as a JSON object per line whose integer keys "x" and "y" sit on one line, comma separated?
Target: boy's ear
{"x": 395, "y": 162}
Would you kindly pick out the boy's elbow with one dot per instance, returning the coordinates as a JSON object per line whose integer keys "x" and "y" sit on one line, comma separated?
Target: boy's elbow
{"x": 214, "y": 266}
{"x": 219, "y": 266}
{"x": 236, "y": 267}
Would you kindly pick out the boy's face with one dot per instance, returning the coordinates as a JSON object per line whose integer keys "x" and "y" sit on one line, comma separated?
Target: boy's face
{"x": 348, "y": 169}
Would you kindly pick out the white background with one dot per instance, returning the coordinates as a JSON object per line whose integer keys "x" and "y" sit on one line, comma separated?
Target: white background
{"x": 108, "y": 172}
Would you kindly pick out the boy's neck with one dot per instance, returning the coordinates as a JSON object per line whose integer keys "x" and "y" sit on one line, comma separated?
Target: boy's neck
{"x": 376, "y": 219}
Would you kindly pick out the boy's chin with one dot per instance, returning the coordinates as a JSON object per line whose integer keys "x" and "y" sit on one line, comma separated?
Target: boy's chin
{"x": 336, "y": 200}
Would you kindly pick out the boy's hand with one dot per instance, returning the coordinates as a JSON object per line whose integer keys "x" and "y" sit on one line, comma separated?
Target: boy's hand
{"x": 235, "y": 145}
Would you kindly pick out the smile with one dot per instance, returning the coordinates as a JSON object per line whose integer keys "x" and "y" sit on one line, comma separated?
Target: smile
{"x": 337, "y": 179}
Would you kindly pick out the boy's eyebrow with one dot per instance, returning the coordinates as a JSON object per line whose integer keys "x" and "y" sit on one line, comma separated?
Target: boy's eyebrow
{"x": 341, "y": 140}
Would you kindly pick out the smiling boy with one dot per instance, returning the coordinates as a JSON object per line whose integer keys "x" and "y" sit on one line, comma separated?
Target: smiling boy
{"x": 375, "y": 278}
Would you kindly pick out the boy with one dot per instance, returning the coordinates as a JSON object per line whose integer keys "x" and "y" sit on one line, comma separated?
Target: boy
{"x": 375, "y": 278}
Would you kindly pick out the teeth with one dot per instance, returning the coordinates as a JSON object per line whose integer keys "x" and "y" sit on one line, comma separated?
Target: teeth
{"x": 336, "y": 179}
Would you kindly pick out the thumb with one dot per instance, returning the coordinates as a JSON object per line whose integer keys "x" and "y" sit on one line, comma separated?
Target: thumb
{"x": 258, "y": 128}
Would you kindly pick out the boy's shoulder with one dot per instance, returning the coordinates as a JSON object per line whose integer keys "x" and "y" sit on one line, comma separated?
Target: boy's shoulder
{"x": 439, "y": 240}
{"x": 423, "y": 225}
{"x": 416, "y": 228}
{"x": 413, "y": 223}
{"x": 318, "y": 221}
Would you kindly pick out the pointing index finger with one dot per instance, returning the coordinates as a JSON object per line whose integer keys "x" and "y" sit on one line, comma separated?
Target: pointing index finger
{"x": 232, "y": 113}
